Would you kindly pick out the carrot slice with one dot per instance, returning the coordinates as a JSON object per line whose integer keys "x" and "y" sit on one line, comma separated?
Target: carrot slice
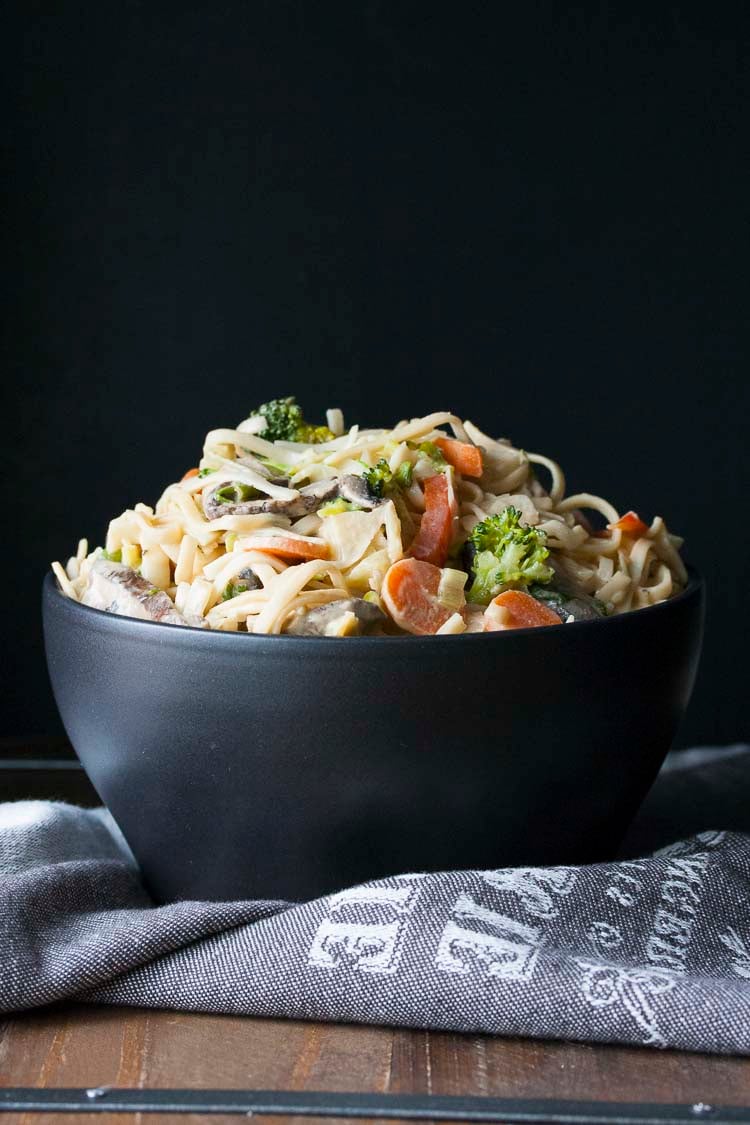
{"x": 630, "y": 524}
{"x": 467, "y": 459}
{"x": 410, "y": 592}
{"x": 515, "y": 609}
{"x": 190, "y": 473}
{"x": 432, "y": 541}
{"x": 288, "y": 548}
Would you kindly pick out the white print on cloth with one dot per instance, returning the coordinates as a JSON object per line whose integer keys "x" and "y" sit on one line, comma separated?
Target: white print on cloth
{"x": 604, "y": 985}
{"x": 735, "y": 944}
{"x": 348, "y": 938}
{"x": 534, "y": 886}
{"x": 672, "y": 930}
{"x": 626, "y": 886}
{"x": 482, "y": 940}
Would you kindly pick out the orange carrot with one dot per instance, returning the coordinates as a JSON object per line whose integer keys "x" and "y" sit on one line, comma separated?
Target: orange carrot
{"x": 191, "y": 473}
{"x": 467, "y": 459}
{"x": 630, "y": 524}
{"x": 515, "y": 609}
{"x": 433, "y": 540}
{"x": 410, "y": 592}
{"x": 288, "y": 548}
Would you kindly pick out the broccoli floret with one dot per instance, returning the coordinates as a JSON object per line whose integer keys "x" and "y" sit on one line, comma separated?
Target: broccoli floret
{"x": 313, "y": 435}
{"x": 503, "y": 553}
{"x": 382, "y": 482}
{"x": 378, "y": 478}
{"x": 284, "y": 422}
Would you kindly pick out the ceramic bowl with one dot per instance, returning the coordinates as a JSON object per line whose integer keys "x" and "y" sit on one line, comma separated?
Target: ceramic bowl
{"x": 283, "y": 767}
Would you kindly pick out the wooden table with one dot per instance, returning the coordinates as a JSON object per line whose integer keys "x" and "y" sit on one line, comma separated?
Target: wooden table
{"x": 77, "y": 1045}
{"x": 86, "y": 1046}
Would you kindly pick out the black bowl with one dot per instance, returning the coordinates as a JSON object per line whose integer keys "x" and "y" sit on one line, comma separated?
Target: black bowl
{"x": 286, "y": 767}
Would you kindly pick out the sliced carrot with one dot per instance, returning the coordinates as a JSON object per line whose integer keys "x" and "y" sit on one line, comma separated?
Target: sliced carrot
{"x": 191, "y": 473}
{"x": 467, "y": 459}
{"x": 432, "y": 541}
{"x": 410, "y": 592}
{"x": 630, "y": 524}
{"x": 288, "y": 548}
{"x": 515, "y": 609}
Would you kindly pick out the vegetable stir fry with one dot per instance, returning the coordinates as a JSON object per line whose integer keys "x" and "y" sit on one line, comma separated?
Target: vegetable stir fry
{"x": 431, "y": 527}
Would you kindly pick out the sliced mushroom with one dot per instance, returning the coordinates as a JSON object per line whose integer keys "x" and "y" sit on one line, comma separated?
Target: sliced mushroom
{"x": 248, "y": 576}
{"x": 337, "y": 619}
{"x": 263, "y": 470}
{"x": 565, "y": 598}
{"x": 309, "y": 500}
{"x": 355, "y": 490}
{"x": 242, "y": 582}
{"x": 117, "y": 588}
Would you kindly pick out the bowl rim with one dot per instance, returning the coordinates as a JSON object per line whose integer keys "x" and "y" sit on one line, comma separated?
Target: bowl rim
{"x": 155, "y": 629}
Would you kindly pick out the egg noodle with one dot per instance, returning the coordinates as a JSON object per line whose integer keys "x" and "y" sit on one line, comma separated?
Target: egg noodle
{"x": 249, "y": 542}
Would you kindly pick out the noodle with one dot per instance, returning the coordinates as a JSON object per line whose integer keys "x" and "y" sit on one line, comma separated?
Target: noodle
{"x": 283, "y": 543}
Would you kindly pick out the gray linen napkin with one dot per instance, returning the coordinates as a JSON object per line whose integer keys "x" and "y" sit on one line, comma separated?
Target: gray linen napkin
{"x": 649, "y": 951}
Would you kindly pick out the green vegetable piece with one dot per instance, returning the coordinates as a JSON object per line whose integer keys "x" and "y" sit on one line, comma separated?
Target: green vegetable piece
{"x": 378, "y": 478}
{"x": 431, "y": 451}
{"x": 112, "y": 556}
{"x": 284, "y": 422}
{"x": 336, "y": 507}
{"x": 502, "y": 553}
{"x": 237, "y": 492}
{"x": 154, "y": 590}
{"x": 275, "y": 466}
{"x": 205, "y": 472}
{"x": 404, "y": 474}
{"x": 233, "y": 589}
{"x": 382, "y": 482}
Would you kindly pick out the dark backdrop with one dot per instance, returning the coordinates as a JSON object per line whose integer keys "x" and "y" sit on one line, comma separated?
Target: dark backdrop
{"x": 536, "y": 218}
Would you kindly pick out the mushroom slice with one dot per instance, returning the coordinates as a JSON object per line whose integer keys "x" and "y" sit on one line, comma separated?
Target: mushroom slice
{"x": 355, "y": 490}
{"x": 565, "y": 598}
{"x": 337, "y": 619}
{"x": 117, "y": 588}
{"x": 239, "y": 499}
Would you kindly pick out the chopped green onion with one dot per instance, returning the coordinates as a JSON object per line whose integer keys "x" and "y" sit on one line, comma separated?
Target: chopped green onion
{"x": 236, "y": 493}
{"x": 274, "y": 466}
{"x": 430, "y": 450}
{"x": 336, "y": 507}
{"x": 233, "y": 589}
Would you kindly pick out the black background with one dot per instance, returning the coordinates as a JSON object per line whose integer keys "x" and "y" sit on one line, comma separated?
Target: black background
{"x": 534, "y": 215}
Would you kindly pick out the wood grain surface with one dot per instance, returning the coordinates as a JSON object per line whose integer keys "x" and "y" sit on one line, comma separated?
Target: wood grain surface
{"x": 78, "y": 1045}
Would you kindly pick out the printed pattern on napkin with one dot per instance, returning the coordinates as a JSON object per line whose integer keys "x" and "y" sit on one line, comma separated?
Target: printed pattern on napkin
{"x": 649, "y": 951}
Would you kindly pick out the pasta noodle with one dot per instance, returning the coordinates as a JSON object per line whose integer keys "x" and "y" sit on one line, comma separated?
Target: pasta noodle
{"x": 269, "y": 536}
